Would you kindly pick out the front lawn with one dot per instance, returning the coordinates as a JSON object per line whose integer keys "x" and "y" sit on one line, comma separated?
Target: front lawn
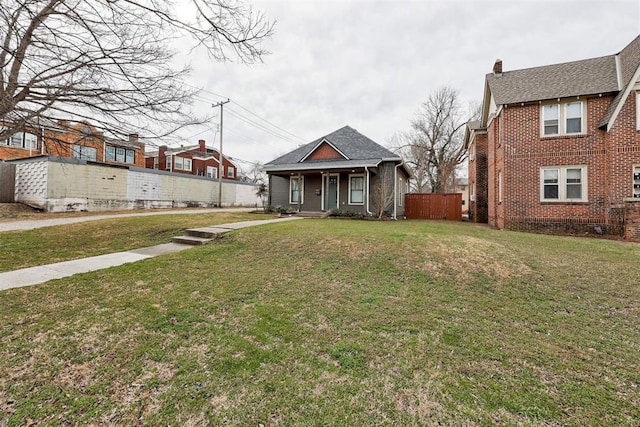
{"x": 63, "y": 243}
{"x": 334, "y": 322}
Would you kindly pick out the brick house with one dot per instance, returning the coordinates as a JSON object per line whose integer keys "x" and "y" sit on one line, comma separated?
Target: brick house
{"x": 343, "y": 170}
{"x": 562, "y": 147}
{"x": 193, "y": 160}
{"x": 78, "y": 140}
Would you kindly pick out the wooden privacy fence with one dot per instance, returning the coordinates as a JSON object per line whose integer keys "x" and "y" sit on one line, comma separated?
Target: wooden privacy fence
{"x": 433, "y": 206}
{"x": 7, "y": 182}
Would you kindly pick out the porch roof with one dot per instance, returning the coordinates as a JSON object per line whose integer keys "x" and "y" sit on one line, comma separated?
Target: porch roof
{"x": 322, "y": 166}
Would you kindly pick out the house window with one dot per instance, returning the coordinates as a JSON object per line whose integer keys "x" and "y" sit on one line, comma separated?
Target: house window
{"x": 84, "y": 153}
{"x": 168, "y": 163}
{"x": 356, "y": 189}
{"x": 22, "y": 140}
{"x": 155, "y": 163}
{"x": 550, "y": 117}
{"x": 296, "y": 190}
{"x": 182, "y": 163}
{"x": 230, "y": 171}
{"x": 122, "y": 155}
{"x": 212, "y": 172}
{"x": 129, "y": 156}
{"x": 563, "y": 118}
{"x": 566, "y": 183}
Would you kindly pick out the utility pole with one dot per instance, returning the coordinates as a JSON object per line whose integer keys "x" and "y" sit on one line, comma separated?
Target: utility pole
{"x": 221, "y": 168}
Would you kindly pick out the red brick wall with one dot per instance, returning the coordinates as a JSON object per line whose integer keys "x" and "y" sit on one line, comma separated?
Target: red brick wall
{"x": 478, "y": 178}
{"x": 632, "y": 220}
{"x": 521, "y": 154}
{"x": 58, "y": 143}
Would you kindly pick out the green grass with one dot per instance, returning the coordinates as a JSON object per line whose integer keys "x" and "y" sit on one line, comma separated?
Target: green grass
{"x": 55, "y": 244}
{"x": 333, "y": 322}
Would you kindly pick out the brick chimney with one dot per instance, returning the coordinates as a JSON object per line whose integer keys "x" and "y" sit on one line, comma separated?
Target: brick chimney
{"x": 497, "y": 68}
{"x": 203, "y": 147}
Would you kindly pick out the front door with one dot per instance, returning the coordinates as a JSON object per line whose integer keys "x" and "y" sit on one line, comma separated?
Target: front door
{"x": 332, "y": 192}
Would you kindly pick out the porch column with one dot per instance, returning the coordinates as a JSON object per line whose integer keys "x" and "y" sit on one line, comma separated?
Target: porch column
{"x": 300, "y": 192}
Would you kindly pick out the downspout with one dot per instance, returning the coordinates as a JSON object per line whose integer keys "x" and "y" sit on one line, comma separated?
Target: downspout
{"x": 368, "y": 183}
{"x": 395, "y": 191}
{"x": 41, "y": 140}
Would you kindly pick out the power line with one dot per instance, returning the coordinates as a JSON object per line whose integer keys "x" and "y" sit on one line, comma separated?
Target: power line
{"x": 277, "y": 131}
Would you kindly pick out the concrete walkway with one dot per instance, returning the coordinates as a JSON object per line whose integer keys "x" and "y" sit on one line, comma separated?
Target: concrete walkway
{"x": 30, "y": 224}
{"x": 40, "y": 274}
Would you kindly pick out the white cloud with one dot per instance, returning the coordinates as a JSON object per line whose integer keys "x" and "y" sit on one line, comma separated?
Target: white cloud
{"x": 370, "y": 64}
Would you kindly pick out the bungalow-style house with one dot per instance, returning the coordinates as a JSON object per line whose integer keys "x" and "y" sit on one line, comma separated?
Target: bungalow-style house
{"x": 78, "y": 140}
{"x": 558, "y": 147}
{"x": 193, "y": 160}
{"x": 343, "y": 170}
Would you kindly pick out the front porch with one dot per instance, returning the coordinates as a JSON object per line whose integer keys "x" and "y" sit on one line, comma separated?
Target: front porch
{"x": 322, "y": 191}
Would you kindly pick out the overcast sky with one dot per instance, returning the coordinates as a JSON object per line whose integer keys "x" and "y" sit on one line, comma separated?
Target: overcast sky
{"x": 369, "y": 64}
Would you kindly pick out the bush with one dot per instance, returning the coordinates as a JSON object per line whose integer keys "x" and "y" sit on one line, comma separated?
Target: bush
{"x": 347, "y": 213}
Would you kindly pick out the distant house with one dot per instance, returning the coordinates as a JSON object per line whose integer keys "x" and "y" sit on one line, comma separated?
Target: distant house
{"x": 558, "y": 147}
{"x": 461, "y": 185}
{"x": 193, "y": 160}
{"x": 79, "y": 140}
{"x": 343, "y": 170}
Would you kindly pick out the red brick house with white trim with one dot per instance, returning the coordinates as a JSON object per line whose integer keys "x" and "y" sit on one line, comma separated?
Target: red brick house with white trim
{"x": 192, "y": 160}
{"x": 562, "y": 147}
{"x": 64, "y": 138}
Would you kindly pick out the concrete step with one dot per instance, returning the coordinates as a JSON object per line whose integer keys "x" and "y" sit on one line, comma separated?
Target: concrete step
{"x": 205, "y": 233}
{"x": 199, "y": 236}
{"x": 309, "y": 214}
{"x": 191, "y": 240}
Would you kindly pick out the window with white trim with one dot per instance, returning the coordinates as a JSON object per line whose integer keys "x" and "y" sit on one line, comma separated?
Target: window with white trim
{"x": 296, "y": 190}
{"x": 563, "y": 183}
{"x": 212, "y": 171}
{"x": 231, "y": 172}
{"x": 168, "y": 163}
{"x": 84, "y": 153}
{"x": 563, "y": 118}
{"x": 121, "y": 155}
{"x": 182, "y": 163}
{"x": 356, "y": 189}
{"x": 22, "y": 140}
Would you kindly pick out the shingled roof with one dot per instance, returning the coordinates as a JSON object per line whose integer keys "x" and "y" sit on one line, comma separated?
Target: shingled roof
{"x": 586, "y": 77}
{"x": 357, "y": 148}
{"x": 603, "y": 75}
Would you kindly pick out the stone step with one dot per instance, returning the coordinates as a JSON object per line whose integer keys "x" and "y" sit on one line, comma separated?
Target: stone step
{"x": 205, "y": 233}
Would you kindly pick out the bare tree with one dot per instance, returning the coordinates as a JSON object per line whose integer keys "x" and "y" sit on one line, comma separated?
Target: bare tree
{"x": 434, "y": 146}
{"x": 108, "y": 61}
{"x": 382, "y": 191}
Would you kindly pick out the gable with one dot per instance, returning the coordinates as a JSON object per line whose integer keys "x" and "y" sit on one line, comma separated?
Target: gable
{"x": 324, "y": 151}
